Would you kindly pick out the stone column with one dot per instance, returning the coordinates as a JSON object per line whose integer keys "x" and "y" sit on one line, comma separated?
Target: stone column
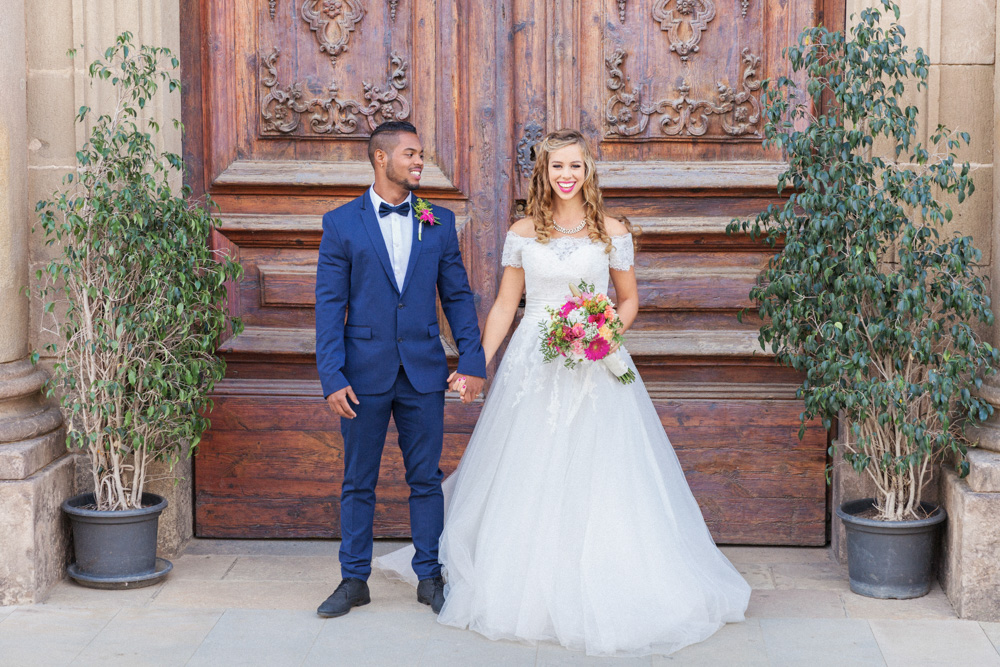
{"x": 970, "y": 570}
{"x": 35, "y": 473}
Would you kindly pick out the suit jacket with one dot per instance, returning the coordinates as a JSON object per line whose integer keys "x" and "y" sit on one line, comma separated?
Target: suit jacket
{"x": 366, "y": 326}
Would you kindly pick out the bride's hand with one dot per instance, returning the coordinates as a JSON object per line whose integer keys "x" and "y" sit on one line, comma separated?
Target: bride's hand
{"x": 457, "y": 383}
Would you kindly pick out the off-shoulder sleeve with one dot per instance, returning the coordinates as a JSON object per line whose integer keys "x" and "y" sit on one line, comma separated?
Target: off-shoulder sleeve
{"x": 622, "y": 252}
{"x": 512, "y": 248}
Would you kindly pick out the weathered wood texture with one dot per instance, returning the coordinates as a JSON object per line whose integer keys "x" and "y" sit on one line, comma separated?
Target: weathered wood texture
{"x": 275, "y": 470}
{"x": 278, "y": 100}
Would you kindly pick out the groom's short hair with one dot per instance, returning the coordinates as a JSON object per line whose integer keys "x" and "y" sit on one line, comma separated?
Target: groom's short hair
{"x": 384, "y": 137}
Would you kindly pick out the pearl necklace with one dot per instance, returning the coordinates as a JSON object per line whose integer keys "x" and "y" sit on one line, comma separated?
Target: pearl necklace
{"x": 569, "y": 232}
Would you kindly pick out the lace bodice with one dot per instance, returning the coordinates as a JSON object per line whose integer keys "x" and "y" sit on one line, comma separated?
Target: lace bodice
{"x": 549, "y": 268}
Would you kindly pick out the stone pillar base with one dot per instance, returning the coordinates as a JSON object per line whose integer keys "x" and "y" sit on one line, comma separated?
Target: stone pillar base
{"x": 969, "y": 573}
{"x": 33, "y": 533}
{"x": 36, "y": 475}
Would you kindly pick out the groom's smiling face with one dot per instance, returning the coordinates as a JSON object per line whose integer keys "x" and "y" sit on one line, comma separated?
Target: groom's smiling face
{"x": 405, "y": 161}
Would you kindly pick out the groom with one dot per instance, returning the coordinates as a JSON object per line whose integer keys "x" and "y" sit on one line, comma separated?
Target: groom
{"x": 379, "y": 353}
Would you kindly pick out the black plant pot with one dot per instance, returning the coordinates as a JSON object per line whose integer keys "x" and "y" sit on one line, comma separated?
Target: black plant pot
{"x": 890, "y": 559}
{"x": 116, "y": 549}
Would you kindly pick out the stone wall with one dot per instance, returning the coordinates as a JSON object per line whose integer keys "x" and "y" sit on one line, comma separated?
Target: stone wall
{"x": 35, "y": 473}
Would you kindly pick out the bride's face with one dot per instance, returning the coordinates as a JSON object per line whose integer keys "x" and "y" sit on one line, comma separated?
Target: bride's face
{"x": 567, "y": 171}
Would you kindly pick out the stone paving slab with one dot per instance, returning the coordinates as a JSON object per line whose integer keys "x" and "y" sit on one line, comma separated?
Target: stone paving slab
{"x": 70, "y": 594}
{"x": 934, "y": 605}
{"x": 992, "y": 631}
{"x": 736, "y": 644}
{"x": 193, "y": 594}
{"x": 144, "y": 636}
{"x": 360, "y": 638}
{"x": 934, "y": 642}
{"x": 815, "y": 576}
{"x": 286, "y": 568}
{"x": 760, "y": 577}
{"x": 776, "y": 555}
{"x": 450, "y": 646}
{"x": 258, "y": 637}
{"x": 43, "y": 635}
{"x": 796, "y": 603}
{"x": 820, "y": 642}
{"x": 253, "y": 603}
{"x": 202, "y": 567}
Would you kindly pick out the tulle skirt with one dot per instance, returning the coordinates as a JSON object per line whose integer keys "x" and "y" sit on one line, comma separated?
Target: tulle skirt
{"x": 569, "y": 519}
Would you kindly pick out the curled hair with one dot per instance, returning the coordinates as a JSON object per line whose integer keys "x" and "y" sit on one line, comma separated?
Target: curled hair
{"x": 541, "y": 194}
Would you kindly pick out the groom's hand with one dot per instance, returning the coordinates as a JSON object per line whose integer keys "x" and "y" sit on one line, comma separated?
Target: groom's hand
{"x": 338, "y": 402}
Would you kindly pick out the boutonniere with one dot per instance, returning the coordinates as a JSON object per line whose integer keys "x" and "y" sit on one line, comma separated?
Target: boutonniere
{"x": 425, "y": 216}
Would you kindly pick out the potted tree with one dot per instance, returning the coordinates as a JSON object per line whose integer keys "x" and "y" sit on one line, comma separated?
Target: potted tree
{"x": 136, "y": 297}
{"x": 869, "y": 296}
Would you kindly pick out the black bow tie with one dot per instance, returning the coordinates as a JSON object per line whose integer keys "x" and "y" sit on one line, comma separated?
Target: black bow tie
{"x": 384, "y": 209}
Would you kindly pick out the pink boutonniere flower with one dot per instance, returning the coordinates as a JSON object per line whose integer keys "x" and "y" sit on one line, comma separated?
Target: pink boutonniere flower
{"x": 425, "y": 216}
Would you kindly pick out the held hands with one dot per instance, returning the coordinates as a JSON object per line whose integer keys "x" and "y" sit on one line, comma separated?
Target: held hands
{"x": 468, "y": 386}
{"x": 338, "y": 402}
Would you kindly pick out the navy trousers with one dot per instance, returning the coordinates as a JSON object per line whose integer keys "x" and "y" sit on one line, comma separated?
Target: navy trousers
{"x": 420, "y": 422}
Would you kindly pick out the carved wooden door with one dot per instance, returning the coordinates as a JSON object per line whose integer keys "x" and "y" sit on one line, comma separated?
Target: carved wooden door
{"x": 279, "y": 98}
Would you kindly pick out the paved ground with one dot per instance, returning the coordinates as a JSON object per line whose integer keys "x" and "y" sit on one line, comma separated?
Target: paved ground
{"x": 252, "y": 603}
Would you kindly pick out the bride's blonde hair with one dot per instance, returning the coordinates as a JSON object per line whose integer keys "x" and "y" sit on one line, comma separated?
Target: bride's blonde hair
{"x": 541, "y": 194}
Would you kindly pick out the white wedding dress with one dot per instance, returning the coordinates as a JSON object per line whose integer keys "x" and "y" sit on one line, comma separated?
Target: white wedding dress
{"x": 569, "y": 518}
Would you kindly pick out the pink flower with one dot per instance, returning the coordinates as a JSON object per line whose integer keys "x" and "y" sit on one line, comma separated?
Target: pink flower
{"x": 578, "y": 331}
{"x": 598, "y": 320}
{"x": 609, "y": 314}
{"x": 598, "y": 349}
{"x": 577, "y": 347}
{"x": 566, "y": 309}
{"x": 427, "y": 217}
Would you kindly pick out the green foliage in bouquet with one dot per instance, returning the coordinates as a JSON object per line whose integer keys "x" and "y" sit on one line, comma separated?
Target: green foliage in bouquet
{"x": 135, "y": 292}
{"x": 867, "y": 297}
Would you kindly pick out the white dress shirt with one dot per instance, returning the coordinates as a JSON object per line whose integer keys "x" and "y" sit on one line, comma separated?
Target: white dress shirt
{"x": 397, "y": 230}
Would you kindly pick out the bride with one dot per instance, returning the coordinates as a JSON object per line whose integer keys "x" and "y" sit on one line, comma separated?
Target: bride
{"x": 569, "y": 518}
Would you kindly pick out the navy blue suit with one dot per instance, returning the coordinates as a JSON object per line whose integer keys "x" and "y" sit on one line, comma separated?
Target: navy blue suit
{"x": 384, "y": 342}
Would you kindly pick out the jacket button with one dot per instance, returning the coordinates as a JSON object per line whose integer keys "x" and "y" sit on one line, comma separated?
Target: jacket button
{"x": 399, "y": 340}
{"x": 400, "y": 306}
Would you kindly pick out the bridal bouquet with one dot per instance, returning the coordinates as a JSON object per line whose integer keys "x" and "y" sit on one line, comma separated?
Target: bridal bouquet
{"x": 584, "y": 329}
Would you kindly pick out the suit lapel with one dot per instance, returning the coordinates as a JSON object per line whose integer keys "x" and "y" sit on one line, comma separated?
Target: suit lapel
{"x": 415, "y": 246}
{"x": 369, "y": 218}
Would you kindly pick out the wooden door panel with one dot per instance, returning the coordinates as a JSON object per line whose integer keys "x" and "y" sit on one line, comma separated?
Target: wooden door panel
{"x": 681, "y": 78}
{"x": 275, "y": 470}
{"x": 294, "y": 92}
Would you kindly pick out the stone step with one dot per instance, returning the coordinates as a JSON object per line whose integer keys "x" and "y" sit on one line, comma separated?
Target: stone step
{"x": 984, "y": 471}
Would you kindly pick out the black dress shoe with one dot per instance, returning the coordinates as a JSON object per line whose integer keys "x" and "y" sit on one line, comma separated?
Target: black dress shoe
{"x": 350, "y": 593}
{"x": 431, "y": 591}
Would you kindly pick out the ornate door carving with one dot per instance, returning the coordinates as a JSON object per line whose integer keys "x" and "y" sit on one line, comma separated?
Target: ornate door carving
{"x": 280, "y": 96}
